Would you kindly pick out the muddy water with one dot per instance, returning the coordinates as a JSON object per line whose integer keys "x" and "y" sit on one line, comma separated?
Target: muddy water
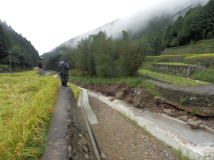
{"x": 194, "y": 143}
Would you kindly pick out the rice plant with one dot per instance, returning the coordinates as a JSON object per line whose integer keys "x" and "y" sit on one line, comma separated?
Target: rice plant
{"x": 26, "y": 106}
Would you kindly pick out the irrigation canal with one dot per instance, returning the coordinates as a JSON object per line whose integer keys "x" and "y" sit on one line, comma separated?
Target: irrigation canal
{"x": 197, "y": 144}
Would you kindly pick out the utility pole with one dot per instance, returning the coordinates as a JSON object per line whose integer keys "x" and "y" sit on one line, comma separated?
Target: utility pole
{"x": 10, "y": 61}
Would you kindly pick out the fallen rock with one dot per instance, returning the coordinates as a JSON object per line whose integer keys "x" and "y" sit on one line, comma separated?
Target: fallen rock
{"x": 133, "y": 94}
{"x": 120, "y": 95}
{"x": 194, "y": 118}
{"x": 125, "y": 89}
{"x": 158, "y": 100}
{"x": 137, "y": 100}
{"x": 168, "y": 111}
{"x": 111, "y": 99}
{"x": 132, "y": 90}
{"x": 183, "y": 118}
{"x": 129, "y": 100}
{"x": 142, "y": 105}
{"x": 194, "y": 124}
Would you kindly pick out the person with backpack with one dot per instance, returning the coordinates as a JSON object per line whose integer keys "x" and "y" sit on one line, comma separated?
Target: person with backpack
{"x": 63, "y": 70}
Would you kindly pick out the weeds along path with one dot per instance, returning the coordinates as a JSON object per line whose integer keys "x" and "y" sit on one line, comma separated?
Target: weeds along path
{"x": 68, "y": 135}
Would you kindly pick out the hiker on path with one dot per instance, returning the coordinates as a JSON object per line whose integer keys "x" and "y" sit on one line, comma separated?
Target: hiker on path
{"x": 63, "y": 70}
{"x": 40, "y": 67}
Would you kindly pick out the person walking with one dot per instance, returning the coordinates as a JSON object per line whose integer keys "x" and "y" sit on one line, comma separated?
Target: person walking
{"x": 40, "y": 67}
{"x": 63, "y": 69}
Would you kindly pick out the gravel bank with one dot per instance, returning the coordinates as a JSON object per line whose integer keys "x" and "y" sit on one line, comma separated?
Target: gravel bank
{"x": 121, "y": 139}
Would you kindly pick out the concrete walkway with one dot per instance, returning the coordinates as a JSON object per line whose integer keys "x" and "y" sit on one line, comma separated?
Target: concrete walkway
{"x": 56, "y": 148}
{"x": 209, "y": 89}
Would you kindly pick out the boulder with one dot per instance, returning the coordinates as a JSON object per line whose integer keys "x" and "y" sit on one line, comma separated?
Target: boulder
{"x": 120, "y": 95}
{"x": 129, "y": 100}
{"x": 133, "y": 94}
{"x": 168, "y": 111}
{"x": 194, "y": 124}
{"x": 142, "y": 105}
{"x": 158, "y": 100}
{"x": 111, "y": 99}
{"x": 184, "y": 118}
{"x": 132, "y": 90}
{"x": 137, "y": 100}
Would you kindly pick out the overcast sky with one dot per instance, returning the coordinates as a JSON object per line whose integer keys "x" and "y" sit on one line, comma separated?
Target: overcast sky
{"x": 48, "y": 23}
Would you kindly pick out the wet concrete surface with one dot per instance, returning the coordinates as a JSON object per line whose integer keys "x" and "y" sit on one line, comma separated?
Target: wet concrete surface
{"x": 209, "y": 89}
{"x": 197, "y": 144}
{"x": 56, "y": 148}
{"x": 89, "y": 112}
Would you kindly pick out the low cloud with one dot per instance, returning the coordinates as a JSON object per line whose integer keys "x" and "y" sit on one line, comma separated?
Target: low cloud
{"x": 139, "y": 19}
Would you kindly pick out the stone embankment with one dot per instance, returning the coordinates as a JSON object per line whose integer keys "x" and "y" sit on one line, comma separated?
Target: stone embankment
{"x": 178, "y": 70}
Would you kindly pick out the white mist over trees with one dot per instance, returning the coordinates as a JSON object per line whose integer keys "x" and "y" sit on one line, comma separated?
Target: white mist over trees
{"x": 140, "y": 20}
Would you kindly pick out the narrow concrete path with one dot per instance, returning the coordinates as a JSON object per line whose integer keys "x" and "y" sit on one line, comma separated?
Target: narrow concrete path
{"x": 209, "y": 89}
{"x": 56, "y": 148}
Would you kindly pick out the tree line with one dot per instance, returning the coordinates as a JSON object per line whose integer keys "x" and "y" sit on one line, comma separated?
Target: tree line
{"x": 99, "y": 55}
{"x": 23, "y": 55}
{"x": 196, "y": 25}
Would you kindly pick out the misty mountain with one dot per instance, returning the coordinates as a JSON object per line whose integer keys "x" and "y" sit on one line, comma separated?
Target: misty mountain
{"x": 144, "y": 22}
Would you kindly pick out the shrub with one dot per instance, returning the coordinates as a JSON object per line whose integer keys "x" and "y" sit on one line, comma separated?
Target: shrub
{"x": 205, "y": 76}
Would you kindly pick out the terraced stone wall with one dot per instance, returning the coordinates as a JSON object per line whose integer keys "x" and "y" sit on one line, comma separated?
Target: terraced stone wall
{"x": 178, "y": 70}
{"x": 203, "y": 102}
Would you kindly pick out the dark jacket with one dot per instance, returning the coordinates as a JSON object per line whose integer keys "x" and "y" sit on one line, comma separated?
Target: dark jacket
{"x": 40, "y": 65}
{"x": 63, "y": 67}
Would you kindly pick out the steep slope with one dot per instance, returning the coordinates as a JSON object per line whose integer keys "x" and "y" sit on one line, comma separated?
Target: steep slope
{"x": 23, "y": 55}
{"x": 144, "y": 22}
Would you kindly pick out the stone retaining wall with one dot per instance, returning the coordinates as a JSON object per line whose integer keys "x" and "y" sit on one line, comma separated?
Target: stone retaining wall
{"x": 178, "y": 70}
{"x": 192, "y": 100}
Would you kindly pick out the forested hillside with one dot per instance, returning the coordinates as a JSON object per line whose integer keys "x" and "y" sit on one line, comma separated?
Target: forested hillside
{"x": 23, "y": 55}
{"x": 91, "y": 56}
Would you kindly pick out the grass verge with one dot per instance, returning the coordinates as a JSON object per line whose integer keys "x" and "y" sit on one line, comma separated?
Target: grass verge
{"x": 176, "y": 80}
{"x": 26, "y": 107}
{"x": 130, "y": 82}
{"x": 174, "y": 63}
{"x": 75, "y": 90}
{"x": 205, "y": 76}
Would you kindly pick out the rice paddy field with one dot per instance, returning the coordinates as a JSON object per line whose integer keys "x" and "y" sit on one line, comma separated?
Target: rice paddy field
{"x": 176, "y": 80}
{"x": 27, "y": 104}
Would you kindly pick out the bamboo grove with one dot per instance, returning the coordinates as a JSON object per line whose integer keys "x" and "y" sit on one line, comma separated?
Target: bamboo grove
{"x": 101, "y": 56}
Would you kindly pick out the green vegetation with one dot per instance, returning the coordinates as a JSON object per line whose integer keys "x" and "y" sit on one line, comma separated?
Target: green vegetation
{"x": 101, "y": 56}
{"x": 130, "y": 82}
{"x": 26, "y": 107}
{"x": 5, "y": 68}
{"x": 75, "y": 90}
{"x": 174, "y": 63}
{"x": 182, "y": 101}
{"x": 23, "y": 56}
{"x": 149, "y": 60}
{"x": 200, "y": 47}
{"x": 205, "y": 76}
{"x": 179, "y": 154}
{"x": 176, "y": 80}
